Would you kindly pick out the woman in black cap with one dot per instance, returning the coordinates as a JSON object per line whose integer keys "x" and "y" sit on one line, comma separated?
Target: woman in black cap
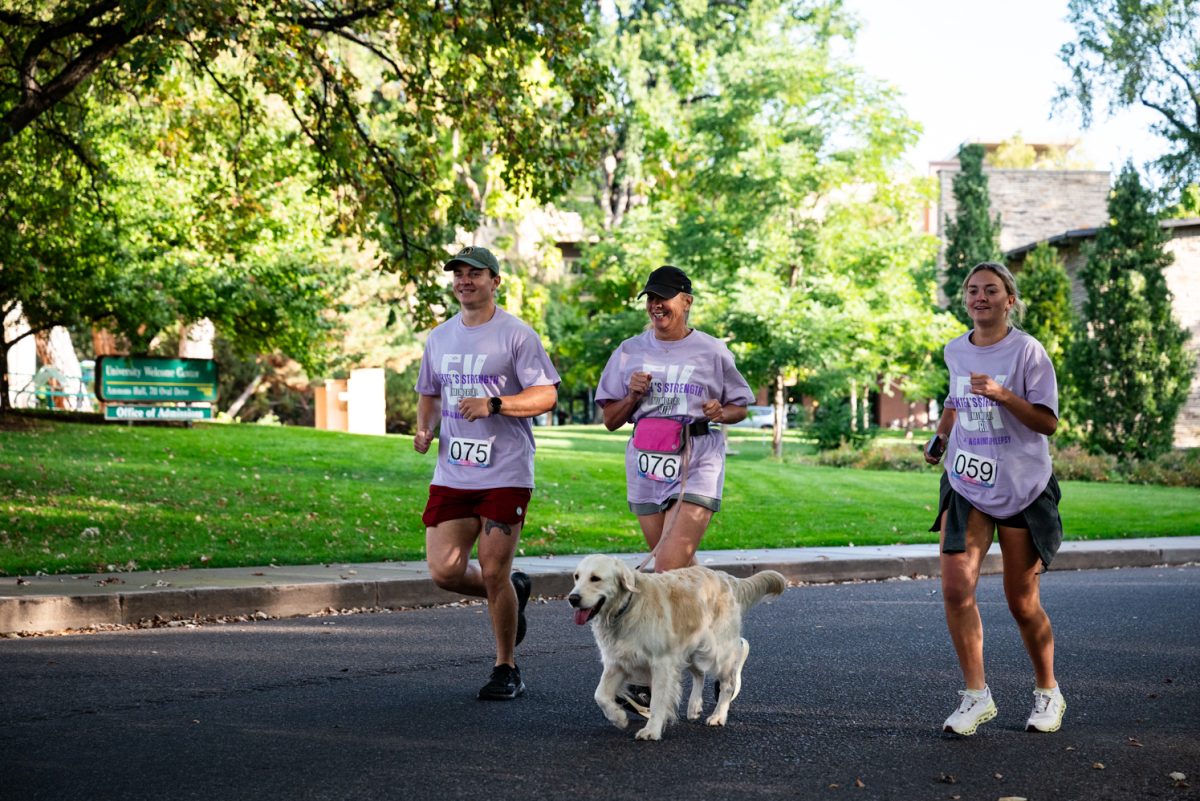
{"x": 672, "y": 381}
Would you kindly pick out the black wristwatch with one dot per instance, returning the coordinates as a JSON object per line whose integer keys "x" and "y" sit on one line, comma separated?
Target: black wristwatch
{"x": 494, "y": 404}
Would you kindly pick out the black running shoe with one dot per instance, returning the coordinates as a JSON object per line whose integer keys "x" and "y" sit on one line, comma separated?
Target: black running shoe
{"x": 635, "y": 698}
{"x": 523, "y": 587}
{"x": 504, "y": 685}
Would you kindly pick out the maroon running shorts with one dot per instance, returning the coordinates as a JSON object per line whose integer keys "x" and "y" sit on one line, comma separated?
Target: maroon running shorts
{"x": 502, "y": 504}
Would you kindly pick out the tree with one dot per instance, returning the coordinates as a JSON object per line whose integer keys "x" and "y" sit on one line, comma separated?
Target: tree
{"x": 973, "y": 236}
{"x": 761, "y": 159}
{"x": 1050, "y": 319}
{"x": 1141, "y": 52}
{"x": 192, "y": 219}
{"x": 403, "y": 103}
{"x": 1129, "y": 364}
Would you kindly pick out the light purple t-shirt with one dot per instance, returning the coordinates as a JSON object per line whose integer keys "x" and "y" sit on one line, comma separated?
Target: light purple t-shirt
{"x": 501, "y": 357}
{"x": 686, "y": 373}
{"x": 994, "y": 460}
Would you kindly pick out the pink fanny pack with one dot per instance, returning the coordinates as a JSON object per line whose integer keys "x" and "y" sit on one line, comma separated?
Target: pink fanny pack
{"x": 659, "y": 435}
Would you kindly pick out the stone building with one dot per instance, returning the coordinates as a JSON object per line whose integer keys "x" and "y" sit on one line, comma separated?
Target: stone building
{"x": 1183, "y": 279}
{"x": 1066, "y": 208}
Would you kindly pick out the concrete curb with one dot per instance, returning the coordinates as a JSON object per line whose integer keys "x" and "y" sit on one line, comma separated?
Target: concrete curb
{"x": 59, "y": 603}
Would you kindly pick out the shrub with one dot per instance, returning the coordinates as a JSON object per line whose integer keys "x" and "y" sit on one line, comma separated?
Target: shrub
{"x": 1178, "y": 468}
{"x": 844, "y": 455}
{"x": 905, "y": 457}
{"x": 1073, "y": 463}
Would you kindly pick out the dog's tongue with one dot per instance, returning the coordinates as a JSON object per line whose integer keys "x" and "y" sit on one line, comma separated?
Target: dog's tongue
{"x": 581, "y": 616}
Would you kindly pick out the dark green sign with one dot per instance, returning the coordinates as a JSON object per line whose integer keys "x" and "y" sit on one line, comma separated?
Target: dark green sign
{"x": 112, "y": 412}
{"x": 149, "y": 379}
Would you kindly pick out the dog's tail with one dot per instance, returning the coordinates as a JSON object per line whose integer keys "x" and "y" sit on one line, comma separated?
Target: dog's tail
{"x": 752, "y": 590}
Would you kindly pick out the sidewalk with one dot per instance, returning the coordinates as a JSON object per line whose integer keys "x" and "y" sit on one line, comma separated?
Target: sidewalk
{"x": 80, "y": 601}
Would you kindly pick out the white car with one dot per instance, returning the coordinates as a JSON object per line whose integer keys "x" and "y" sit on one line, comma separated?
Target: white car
{"x": 759, "y": 417}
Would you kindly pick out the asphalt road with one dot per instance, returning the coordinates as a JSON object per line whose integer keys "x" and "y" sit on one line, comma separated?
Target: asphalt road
{"x": 846, "y": 685}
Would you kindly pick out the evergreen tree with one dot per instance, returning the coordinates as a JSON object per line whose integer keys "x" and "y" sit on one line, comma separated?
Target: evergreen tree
{"x": 1049, "y": 318}
{"x": 973, "y": 235}
{"x": 1130, "y": 367}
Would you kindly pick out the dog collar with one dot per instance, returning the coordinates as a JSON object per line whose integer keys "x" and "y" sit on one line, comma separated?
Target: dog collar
{"x": 623, "y": 609}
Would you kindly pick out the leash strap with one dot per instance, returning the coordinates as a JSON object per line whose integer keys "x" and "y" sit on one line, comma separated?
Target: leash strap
{"x": 669, "y": 524}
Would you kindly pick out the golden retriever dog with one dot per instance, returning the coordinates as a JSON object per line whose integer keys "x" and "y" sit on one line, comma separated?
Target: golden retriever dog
{"x": 651, "y": 626}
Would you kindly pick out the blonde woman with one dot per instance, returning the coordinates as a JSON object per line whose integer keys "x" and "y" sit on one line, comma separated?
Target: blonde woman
{"x": 993, "y": 433}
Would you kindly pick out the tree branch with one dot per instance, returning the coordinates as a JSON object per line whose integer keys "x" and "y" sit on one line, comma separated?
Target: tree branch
{"x": 37, "y": 99}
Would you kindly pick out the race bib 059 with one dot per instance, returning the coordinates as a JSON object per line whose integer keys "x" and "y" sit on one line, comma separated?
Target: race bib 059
{"x": 974, "y": 469}
{"x": 469, "y": 452}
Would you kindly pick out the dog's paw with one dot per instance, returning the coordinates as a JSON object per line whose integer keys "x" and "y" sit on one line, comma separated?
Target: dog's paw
{"x": 649, "y": 733}
{"x": 616, "y": 715}
{"x": 716, "y": 719}
{"x": 694, "y": 709}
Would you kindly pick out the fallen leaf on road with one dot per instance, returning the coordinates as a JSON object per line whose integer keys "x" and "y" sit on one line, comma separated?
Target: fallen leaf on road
{"x": 1133, "y": 741}
{"x": 1098, "y": 765}
{"x": 1177, "y": 776}
{"x": 997, "y": 775}
{"x": 859, "y": 783}
{"x": 834, "y": 786}
{"x": 1013, "y": 798}
{"x": 947, "y": 778}
{"x": 21, "y": 581}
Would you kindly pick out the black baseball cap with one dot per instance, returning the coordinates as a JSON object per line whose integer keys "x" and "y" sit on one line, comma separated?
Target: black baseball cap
{"x": 475, "y": 256}
{"x": 667, "y": 282}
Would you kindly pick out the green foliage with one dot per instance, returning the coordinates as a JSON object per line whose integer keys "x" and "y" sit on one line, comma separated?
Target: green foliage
{"x": 175, "y": 160}
{"x": 1129, "y": 363}
{"x": 1074, "y": 463}
{"x": 973, "y": 235}
{"x": 902, "y": 457}
{"x": 1016, "y": 153}
{"x": 1045, "y": 287}
{"x": 764, "y": 160}
{"x": 1188, "y": 205}
{"x": 401, "y": 399}
{"x": 1176, "y": 468}
{"x": 191, "y": 217}
{"x": 831, "y": 425}
{"x": 1141, "y": 52}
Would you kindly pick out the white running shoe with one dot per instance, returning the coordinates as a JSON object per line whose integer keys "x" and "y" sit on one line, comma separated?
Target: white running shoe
{"x": 974, "y": 710}
{"x": 1048, "y": 708}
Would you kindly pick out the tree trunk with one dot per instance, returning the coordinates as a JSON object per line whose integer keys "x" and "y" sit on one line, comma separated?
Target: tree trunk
{"x": 4, "y": 402}
{"x": 250, "y": 389}
{"x": 106, "y": 343}
{"x": 196, "y": 340}
{"x": 853, "y": 405}
{"x": 55, "y": 349}
{"x": 22, "y": 361}
{"x": 780, "y": 416}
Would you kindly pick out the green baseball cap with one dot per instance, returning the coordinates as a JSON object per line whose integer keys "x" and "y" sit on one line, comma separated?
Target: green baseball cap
{"x": 475, "y": 256}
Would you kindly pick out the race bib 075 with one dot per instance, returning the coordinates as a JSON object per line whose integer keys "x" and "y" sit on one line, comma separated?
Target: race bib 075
{"x": 974, "y": 469}
{"x": 659, "y": 466}
{"x": 469, "y": 452}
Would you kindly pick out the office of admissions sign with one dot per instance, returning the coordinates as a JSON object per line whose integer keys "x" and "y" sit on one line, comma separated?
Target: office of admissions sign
{"x": 149, "y": 379}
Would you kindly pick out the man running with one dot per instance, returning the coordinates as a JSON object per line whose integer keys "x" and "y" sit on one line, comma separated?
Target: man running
{"x": 484, "y": 375}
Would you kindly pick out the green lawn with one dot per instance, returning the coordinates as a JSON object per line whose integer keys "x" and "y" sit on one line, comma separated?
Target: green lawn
{"x": 78, "y": 497}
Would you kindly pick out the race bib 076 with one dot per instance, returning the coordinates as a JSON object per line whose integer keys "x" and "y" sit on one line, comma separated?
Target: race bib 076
{"x": 659, "y": 466}
{"x": 974, "y": 469}
{"x": 469, "y": 452}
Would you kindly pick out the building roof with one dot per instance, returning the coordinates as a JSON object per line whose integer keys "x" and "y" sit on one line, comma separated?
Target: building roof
{"x": 1088, "y": 233}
